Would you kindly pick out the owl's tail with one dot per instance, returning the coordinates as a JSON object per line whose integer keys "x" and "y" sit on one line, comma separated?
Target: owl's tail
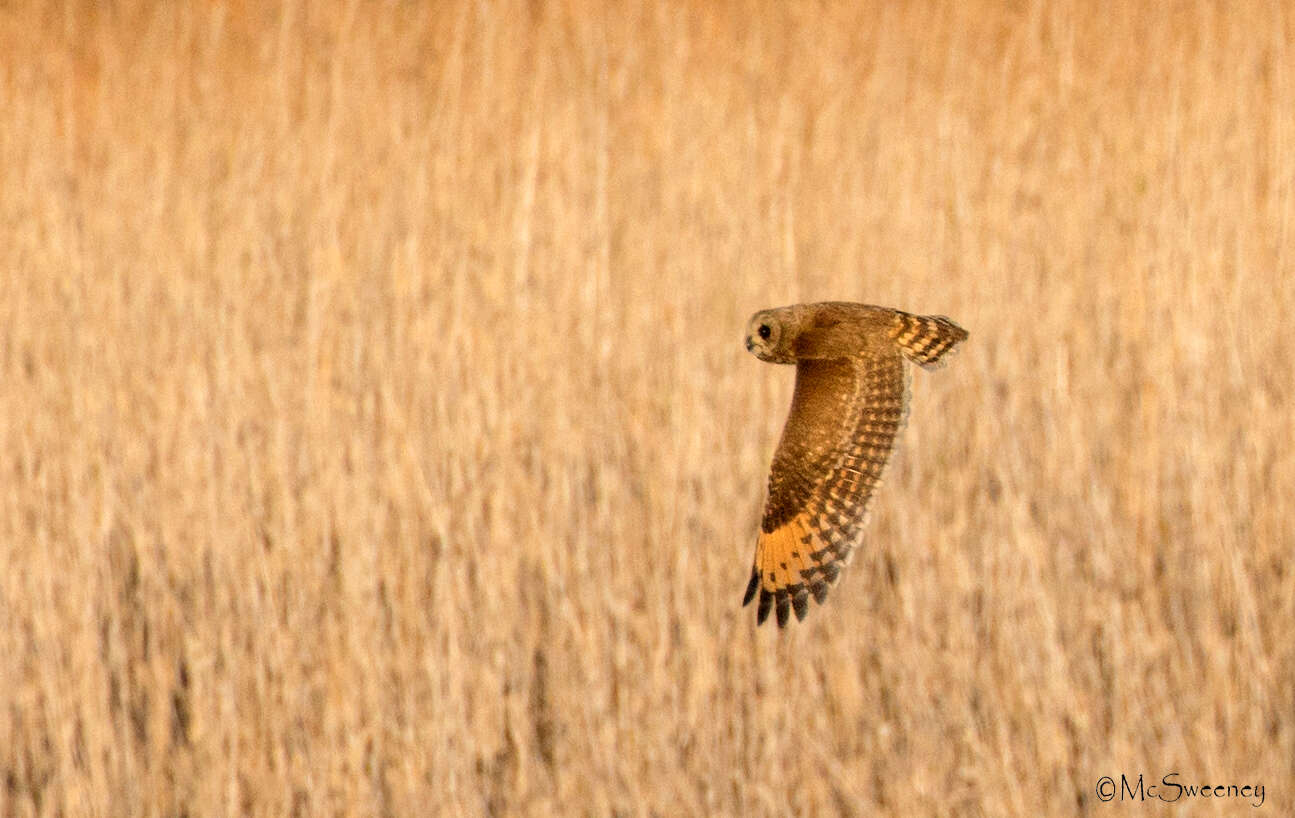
{"x": 927, "y": 340}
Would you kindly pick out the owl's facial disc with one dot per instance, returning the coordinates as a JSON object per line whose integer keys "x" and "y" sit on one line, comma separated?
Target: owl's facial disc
{"x": 763, "y": 335}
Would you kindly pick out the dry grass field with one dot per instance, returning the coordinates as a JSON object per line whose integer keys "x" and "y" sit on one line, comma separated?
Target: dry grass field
{"x": 376, "y": 435}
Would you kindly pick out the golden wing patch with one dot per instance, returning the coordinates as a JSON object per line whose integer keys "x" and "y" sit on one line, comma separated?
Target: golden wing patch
{"x": 793, "y": 562}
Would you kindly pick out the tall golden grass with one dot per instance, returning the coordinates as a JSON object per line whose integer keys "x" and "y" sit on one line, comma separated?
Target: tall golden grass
{"x": 377, "y": 436}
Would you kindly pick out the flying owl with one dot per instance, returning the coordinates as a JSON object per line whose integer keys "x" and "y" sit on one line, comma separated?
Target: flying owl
{"x": 850, "y": 402}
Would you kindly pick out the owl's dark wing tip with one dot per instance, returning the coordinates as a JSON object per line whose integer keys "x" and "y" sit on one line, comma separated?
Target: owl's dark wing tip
{"x": 783, "y": 602}
{"x": 800, "y": 602}
{"x": 751, "y": 588}
{"x": 819, "y": 589}
{"x": 762, "y": 610}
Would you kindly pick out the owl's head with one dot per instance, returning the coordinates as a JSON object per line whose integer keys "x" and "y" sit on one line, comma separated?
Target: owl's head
{"x": 771, "y": 333}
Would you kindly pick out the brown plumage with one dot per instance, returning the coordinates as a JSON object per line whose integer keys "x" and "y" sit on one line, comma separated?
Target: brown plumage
{"x": 850, "y": 402}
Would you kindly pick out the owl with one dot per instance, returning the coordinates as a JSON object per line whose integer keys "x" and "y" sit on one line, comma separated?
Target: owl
{"x": 849, "y": 404}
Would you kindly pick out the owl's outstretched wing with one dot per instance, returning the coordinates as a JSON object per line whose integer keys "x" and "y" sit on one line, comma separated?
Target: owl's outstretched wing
{"x": 845, "y": 416}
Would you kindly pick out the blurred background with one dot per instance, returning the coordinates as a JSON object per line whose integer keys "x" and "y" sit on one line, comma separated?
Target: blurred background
{"x": 378, "y": 437}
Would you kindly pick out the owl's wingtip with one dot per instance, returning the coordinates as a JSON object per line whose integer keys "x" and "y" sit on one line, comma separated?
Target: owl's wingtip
{"x": 751, "y": 588}
{"x": 783, "y": 603}
{"x": 928, "y": 340}
{"x": 800, "y": 603}
{"x": 819, "y": 589}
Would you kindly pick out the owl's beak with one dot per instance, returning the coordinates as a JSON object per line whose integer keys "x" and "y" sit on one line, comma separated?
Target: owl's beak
{"x": 749, "y": 346}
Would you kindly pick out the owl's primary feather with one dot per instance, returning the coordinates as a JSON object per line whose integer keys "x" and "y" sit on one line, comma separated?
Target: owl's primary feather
{"x": 849, "y": 404}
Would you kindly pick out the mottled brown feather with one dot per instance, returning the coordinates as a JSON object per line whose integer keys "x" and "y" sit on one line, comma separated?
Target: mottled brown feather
{"x": 926, "y": 339}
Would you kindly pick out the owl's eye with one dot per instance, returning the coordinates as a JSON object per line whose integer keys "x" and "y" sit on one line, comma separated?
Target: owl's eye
{"x": 764, "y": 331}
